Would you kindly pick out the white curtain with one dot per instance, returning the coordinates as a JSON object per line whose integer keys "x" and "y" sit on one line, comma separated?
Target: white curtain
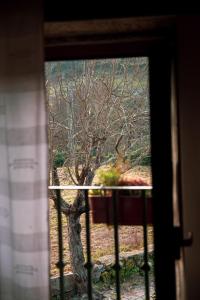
{"x": 24, "y": 262}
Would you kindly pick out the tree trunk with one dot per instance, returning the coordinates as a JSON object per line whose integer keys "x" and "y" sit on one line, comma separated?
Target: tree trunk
{"x": 76, "y": 252}
{"x": 77, "y": 259}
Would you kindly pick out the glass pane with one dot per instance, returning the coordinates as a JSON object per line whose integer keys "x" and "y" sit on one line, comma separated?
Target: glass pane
{"x": 99, "y": 134}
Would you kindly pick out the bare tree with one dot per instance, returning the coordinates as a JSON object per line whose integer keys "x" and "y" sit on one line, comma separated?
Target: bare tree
{"x": 93, "y": 105}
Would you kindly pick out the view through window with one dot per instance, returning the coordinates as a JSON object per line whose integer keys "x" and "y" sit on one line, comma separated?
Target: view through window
{"x": 99, "y": 134}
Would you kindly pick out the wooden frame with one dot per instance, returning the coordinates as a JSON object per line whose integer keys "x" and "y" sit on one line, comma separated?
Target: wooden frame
{"x": 158, "y": 45}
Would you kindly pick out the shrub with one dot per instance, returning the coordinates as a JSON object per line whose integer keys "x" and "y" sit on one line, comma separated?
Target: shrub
{"x": 95, "y": 192}
{"x": 142, "y": 159}
{"x": 59, "y": 158}
{"x": 109, "y": 177}
{"x": 145, "y": 160}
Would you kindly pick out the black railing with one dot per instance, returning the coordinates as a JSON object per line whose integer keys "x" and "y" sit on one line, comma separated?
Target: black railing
{"x": 60, "y": 264}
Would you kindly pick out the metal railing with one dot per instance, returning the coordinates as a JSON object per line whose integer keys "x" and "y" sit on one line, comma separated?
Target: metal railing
{"x": 60, "y": 264}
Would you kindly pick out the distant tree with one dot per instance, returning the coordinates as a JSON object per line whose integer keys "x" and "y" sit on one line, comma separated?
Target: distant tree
{"x": 94, "y": 105}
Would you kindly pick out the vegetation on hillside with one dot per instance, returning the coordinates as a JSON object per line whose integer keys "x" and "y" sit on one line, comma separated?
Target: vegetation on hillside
{"x": 98, "y": 115}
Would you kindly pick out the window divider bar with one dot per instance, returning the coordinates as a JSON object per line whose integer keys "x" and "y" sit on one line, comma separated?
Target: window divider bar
{"x": 60, "y": 263}
{"x": 96, "y": 187}
{"x": 146, "y": 266}
{"x": 88, "y": 264}
{"x": 116, "y": 241}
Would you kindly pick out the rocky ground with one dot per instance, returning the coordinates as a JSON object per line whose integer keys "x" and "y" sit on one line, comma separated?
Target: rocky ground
{"x": 132, "y": 289}
{"x": 132, "y": 283}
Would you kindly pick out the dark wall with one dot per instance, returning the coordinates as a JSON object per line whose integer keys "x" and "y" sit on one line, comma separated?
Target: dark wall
{"x": 188, "y": 33}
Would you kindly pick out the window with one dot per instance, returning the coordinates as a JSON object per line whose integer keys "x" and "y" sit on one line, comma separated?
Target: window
{"x": 99, "y": 133}
{"x": 153, "y": 43}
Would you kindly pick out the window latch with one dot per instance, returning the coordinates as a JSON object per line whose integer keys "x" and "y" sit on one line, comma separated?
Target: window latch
{"x": 180, "y": 241}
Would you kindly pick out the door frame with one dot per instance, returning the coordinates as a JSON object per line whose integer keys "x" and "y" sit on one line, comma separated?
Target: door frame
{"x": 160, "y": 50}
{"x": 162, "y": 174}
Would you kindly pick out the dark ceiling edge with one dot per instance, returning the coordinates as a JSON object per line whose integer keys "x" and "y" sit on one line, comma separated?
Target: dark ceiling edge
{"x": 129, "y": 48}
{"x": 59, "y": 13}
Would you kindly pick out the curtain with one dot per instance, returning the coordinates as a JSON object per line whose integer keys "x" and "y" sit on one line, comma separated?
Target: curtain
{"x": 24, "y": 262}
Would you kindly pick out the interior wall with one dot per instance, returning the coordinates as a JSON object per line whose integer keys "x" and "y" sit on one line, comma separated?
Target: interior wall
{"x": 188, "y": 53}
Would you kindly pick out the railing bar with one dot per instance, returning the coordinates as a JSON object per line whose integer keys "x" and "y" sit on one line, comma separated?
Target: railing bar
{"x": 89, "y": 262}
{"x": 60, "y": 264}
{"x": 80, "y": 187}
{"x": 146, "y": 264}
{"x": 116, "y": 240}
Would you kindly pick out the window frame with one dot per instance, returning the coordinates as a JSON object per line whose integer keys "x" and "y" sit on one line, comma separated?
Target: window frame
{"x": 159, "y": 47}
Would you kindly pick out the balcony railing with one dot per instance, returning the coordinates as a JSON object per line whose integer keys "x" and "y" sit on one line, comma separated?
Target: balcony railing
{"x": 60, "y": 264}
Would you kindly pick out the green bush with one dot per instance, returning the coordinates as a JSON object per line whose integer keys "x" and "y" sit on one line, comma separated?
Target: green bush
{"x": 135, "y": 155}
{"x": 59, "y": 159}
{"x": 141, "y": 158}
{"x": 128, "y": 270}
{"x": 95, "y": 192}
{"x": 145, "y": 160}
{"x": 108, "y": 177}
